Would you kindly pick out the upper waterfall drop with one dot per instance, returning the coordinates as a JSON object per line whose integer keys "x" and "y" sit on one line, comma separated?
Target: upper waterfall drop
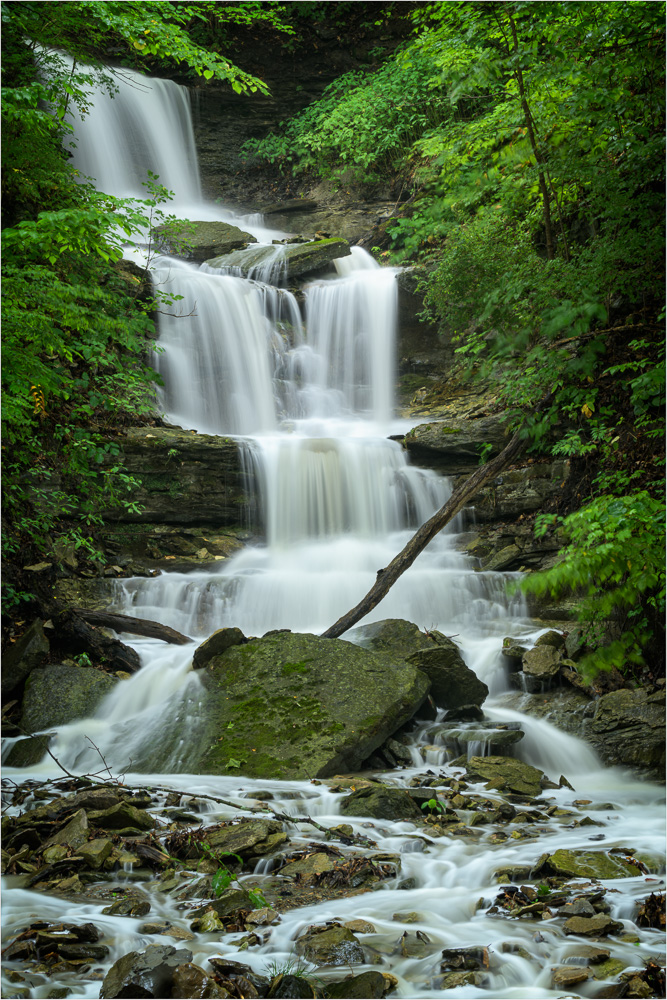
{"x": 146, "y": 124}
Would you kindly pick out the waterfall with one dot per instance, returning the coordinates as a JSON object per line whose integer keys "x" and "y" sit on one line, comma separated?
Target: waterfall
{"x": 310, "y": 404}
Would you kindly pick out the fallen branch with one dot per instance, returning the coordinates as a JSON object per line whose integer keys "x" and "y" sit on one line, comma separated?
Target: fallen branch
{"x": 135, "y": 626}
{"x": 461, "y": 496}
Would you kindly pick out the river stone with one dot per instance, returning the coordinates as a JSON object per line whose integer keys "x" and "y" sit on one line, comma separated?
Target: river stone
{"x": 122, "y": 816}
{"x": 506, "y": 772}
{"x": 315, "y": 864}
{"x": 540, "y": 665}
{"x": 297, "y": 706}
{"x": 58, "y": 694}
{"x": 568, "y": 975}
{"x": 367, "y": 986}
{"x": 331, "y": 946}
{"x": 295, "y": 259}
{"x": 598, "y": 926}
{"x": 230, "y": 901}
{"x": 216, "y": 644}
{"x": 551, "y": 638}
{"x": 19, "y": 660}
{"x": 249, "y": 838}
{"x": 95, "y": 852}
{"x": 198, "y": 241}
{"x": 381, "y": 802}
{"x": 392, "y": 635}
{"x": 590, "y": 864}
{"x": 452, "y": 683}
{"x": 191, "y": 981}
{"x": 74, "y": 833}
{"x": 144, "y": 974}
{"x": 628, "y": 728}
{"x": 294, "y": 987}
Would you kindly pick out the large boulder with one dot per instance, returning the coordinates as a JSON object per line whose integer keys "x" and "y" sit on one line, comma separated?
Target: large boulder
{"x": 198, "y": 241}
{"x": 393, "y": 635}
{"x": 144, "y": 974}
{"x": 59, "y": 693}
{"x": 299, "y": 706}
{"x": 453, "y": 684}
{"x": 454, "y": 446}
{"x": 281, "y": 261}
{"x": 628, "y": 728}
{"x": 21, "y": 659}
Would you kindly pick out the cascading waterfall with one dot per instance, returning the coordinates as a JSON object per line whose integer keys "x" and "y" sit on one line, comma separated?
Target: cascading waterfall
{"x": 311, "y": 408}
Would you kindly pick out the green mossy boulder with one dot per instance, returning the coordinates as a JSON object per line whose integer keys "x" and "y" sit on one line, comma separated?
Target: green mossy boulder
{"x": 198, "y": 241}
{"x": 590, "y": 864}
{"x": 507, "y": 773}
{"x": 298, "y": 706}
{"x": 381, "y": 802}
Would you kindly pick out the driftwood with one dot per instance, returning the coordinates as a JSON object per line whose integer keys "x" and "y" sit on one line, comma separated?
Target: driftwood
{"x": 135, "y": 626}
{"x": 73, "y": 634}
{"x": 386, "y": 578}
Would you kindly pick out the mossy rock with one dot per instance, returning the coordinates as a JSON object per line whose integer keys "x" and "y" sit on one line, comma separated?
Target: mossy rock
{"x": 59, "y": 693}
{"x": 288, "y": 261}
{"x": 297, "y": 706}
{"x": 507, "y": 773}
{"x": 381, "y": 802}
{"x": 590, "y": 864}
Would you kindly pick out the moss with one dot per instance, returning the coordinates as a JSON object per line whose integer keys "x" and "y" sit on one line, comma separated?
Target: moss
{"x": 295, "y": 668}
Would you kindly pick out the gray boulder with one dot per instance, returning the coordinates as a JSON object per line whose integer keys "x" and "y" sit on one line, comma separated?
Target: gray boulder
{"x": 299, "y": 706}
{"x": 216, "y": 644}
{"x": 144, "y": 974}
{"x": 452, "y": 683}
{"x": 454, "y": 446}
{"x": 540, "y": 666}
{"x": 59, "y": 693}
{"x": 21, "y": 659}
{"x": 628, "y": 728}
{"x": 198, "y": 241}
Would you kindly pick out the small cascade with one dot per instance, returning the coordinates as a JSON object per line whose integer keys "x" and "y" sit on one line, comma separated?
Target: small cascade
{"x": 351, "y": 328}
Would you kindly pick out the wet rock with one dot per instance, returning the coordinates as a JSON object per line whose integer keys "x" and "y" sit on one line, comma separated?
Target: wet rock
{"x": 315, "y": 864}
{"x": 360, "y": 926}
{"x": 294, "y": 261}
{"x": 249, "y": 837}
{"x": 330, "y": 946}
{"x": 540, "y": 666}
{"x": 131, "y": 906}
{"x": 506, "y": 773}
{"x": 74, "y": 833}
{"x": 569, "y": 975}
{"x": 589, "y": 864}
{"x": 300, "y": 707}
{"x": 513, "y": 650}
{"x": 121, "y": 817}
{"x": 144, "y": 974}
{"x": 216, "y": 644}
{"x": 291, "y": 986}
{"x": 456, "y": 980}
{"x": 591, "y": 954}
{"x": 229, "y": 902}
{"x": 465, "y": 958}
{"x": 628, "y": 728}
{"x": 20, "y": 659}
{"x": 452, "y": 683}
{"x": 551, "y": 638}
{"x": 367, "y": 986}
{"x": 392, "y": 635}
{"x": 577, "y": 908}
{"x": 198, "y": 241}
{"x": 209, "y": 489}
{"x": 381, "y": 802}
{"x": 208, "y": 923}
{"x": 59, "y": 693}
{"x": 190, "y": 980}
{"x": 494, "y": 739}
{"x": 598, "y": 926}
{"x": 453, "y": 446}
{"x": 95, "y": 852}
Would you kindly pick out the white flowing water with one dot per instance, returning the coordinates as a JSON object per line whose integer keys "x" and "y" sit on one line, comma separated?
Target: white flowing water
{"x": 311, "y": 406}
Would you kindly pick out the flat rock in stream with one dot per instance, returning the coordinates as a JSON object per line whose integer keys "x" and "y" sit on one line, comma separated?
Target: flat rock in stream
{"x": 296, "y": 706}
{"x": 507, "y": 773}
{"x": 286, "y": 260}
{"x": 198, "y": 241}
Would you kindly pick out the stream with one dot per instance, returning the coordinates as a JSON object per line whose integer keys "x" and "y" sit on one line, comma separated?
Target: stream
{"x": 308, "y": 394}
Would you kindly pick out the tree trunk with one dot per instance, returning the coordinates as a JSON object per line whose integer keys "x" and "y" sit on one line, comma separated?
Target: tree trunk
{"x": 135, "y": 626}
{"x": 387, "y": 577}
{"x": 537, "y": 153}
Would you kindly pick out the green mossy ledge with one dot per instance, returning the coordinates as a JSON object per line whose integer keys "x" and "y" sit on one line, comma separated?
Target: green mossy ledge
{"x": 295, "y": 706}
